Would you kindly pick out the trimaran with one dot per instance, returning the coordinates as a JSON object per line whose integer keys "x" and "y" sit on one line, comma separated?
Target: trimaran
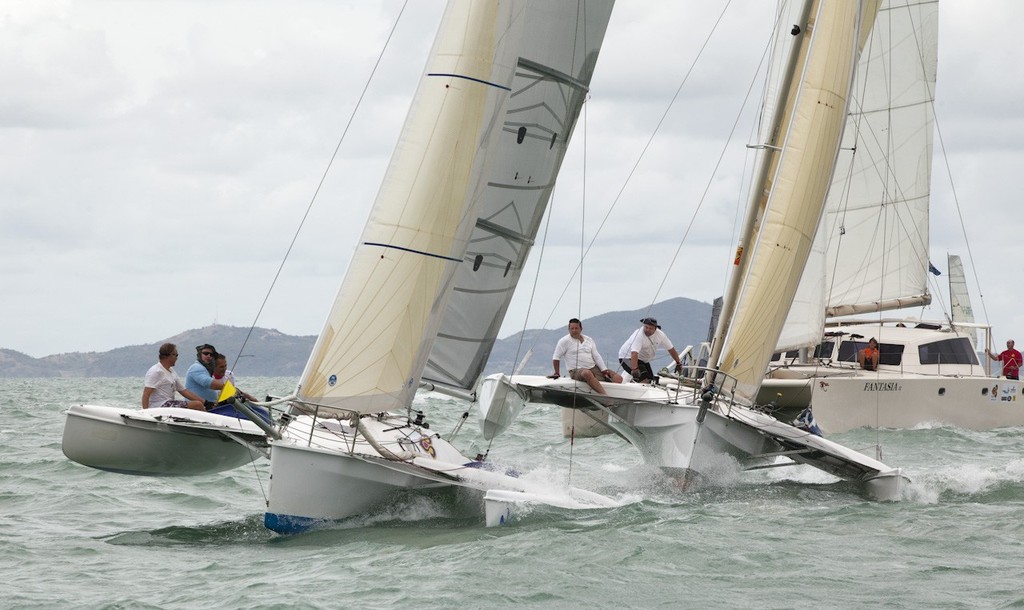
{"x": 446, "y": 241}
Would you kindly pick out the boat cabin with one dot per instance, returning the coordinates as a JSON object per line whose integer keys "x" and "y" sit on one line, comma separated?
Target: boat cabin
{"x": 912, "y": 347}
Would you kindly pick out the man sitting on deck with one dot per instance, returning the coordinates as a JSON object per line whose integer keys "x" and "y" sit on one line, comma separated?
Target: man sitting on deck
{"x": 580, "y": 352}
{"x": 162, "y": 382}
{"x": 868, "y": 357}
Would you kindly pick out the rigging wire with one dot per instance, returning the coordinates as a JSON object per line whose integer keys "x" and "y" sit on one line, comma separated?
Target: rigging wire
{"x": 309, "y": 207}
{"x": 636, "y": 164}
{"x": 320, "y": 184}
{"x": 960, "y": 215}
{"x": 579, "y": 304}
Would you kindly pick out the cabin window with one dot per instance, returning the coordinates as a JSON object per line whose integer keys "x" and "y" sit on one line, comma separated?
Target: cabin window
{"x": 948, "y": 351}
{"x": 790, "y": 355}
{"x": 888, "y": 353}
{"x": 824, "y": 349}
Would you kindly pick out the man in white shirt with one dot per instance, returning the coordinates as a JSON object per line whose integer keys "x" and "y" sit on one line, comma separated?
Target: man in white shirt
{"x": 162, "y": 382}
{"x": 579, "y": 352}
{"x": 636, "y": 353}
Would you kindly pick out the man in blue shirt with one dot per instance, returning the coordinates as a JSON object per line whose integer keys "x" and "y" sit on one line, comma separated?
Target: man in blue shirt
{"x": 199, "y": 379}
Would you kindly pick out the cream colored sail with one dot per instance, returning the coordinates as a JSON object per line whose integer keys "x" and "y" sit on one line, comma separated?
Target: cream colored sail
{"x": 791, "y": 199}
{"x": 561, "y": 44}
{"x": 383, "y": 323}
{"x": 871, "y": 253}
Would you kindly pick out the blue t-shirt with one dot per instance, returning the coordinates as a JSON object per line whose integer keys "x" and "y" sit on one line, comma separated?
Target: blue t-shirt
{"x": 197, "y": 381}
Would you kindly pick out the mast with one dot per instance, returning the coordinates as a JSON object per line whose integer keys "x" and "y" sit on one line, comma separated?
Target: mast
{"x": 793, "y": 193}
{"x": 871, "y": 253}
{"x": 766, "y": 161}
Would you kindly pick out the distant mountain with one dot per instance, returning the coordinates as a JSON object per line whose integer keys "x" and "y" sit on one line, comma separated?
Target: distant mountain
{"x": 269, "y": 352}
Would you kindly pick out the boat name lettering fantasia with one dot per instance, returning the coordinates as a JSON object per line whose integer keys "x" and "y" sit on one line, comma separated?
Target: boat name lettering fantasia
{"x": 886, "y": 386}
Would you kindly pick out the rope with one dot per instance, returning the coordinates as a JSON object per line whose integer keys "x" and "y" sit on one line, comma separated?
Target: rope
{"x": 309, "y": 207}
{"x": 320, "y": 184}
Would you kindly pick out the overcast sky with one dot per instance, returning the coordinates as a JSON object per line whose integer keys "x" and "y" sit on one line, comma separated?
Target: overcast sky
{"x": 156, "y": 159}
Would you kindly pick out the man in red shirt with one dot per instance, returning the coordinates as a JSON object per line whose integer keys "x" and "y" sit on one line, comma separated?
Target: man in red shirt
{"x": 1011, "y": 360}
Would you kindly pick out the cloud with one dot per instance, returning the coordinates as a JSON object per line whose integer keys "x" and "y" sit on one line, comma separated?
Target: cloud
{"x": 158, "y": 158}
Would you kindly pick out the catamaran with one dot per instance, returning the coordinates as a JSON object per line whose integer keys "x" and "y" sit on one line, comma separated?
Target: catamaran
{"x": 445, "y": 244}
{"x": 871, "y": 256}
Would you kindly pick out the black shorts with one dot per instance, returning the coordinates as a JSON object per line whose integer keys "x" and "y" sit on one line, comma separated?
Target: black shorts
{"x": 643, "y": 367}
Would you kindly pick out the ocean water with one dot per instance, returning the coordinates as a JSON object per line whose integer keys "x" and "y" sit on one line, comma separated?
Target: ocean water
{"x": 73, "y": 537}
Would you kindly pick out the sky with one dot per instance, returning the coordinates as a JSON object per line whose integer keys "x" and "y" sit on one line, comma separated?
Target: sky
{"x": 157, "y": 159}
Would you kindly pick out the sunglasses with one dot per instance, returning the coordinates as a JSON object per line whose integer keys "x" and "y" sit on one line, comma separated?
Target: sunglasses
{"x": 207, "y": 353}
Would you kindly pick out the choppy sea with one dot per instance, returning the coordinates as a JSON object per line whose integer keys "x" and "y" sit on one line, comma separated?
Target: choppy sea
{"x": 73, "y": 537}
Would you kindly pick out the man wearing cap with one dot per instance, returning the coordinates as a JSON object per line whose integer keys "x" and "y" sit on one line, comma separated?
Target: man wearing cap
{"x": 199, "y": 379}
{"x": 636, "y": 353}
{"x": 579, "y": 353}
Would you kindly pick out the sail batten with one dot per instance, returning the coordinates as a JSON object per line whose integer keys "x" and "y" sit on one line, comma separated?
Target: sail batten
{"x": 375, "y": 341}
{"x": 462, "y": 199}
{"x": 552, "y": 78}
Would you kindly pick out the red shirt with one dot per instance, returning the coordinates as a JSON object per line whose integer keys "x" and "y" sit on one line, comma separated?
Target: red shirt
{"x": 1011, "y": 360}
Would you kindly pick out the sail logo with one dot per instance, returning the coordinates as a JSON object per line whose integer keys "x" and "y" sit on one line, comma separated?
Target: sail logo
{"x": 824, "y": 385}
{"x": 333, "y": 379}
{"x": 428, "y": 446}
{"x": 882, "y": 386}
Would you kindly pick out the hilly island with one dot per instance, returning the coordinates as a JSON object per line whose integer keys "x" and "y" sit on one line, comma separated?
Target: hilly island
{"x": 271, "y": 353}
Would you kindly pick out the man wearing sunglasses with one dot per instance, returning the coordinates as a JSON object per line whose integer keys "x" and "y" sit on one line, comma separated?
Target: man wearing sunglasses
{"x": 199, "y": 379}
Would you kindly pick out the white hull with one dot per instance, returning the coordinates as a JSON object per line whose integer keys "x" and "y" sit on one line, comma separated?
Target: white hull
{"x": 901, "y": 394}
{"x": 579, "y": 424}
{"x": 892, "y": 400}
{"x": 666, "y": 428}
{"x": 330, "y": 471}
{"x": 310, "y": 486}
{"x": 158, "y": 442}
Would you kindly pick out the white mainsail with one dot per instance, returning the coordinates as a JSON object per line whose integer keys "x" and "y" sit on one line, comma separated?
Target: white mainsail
{"x": 454, "y": 145}
{"x": 872, "y": 247}
{"x": 788, "y": 204}
{"x": 561, "y": 42}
